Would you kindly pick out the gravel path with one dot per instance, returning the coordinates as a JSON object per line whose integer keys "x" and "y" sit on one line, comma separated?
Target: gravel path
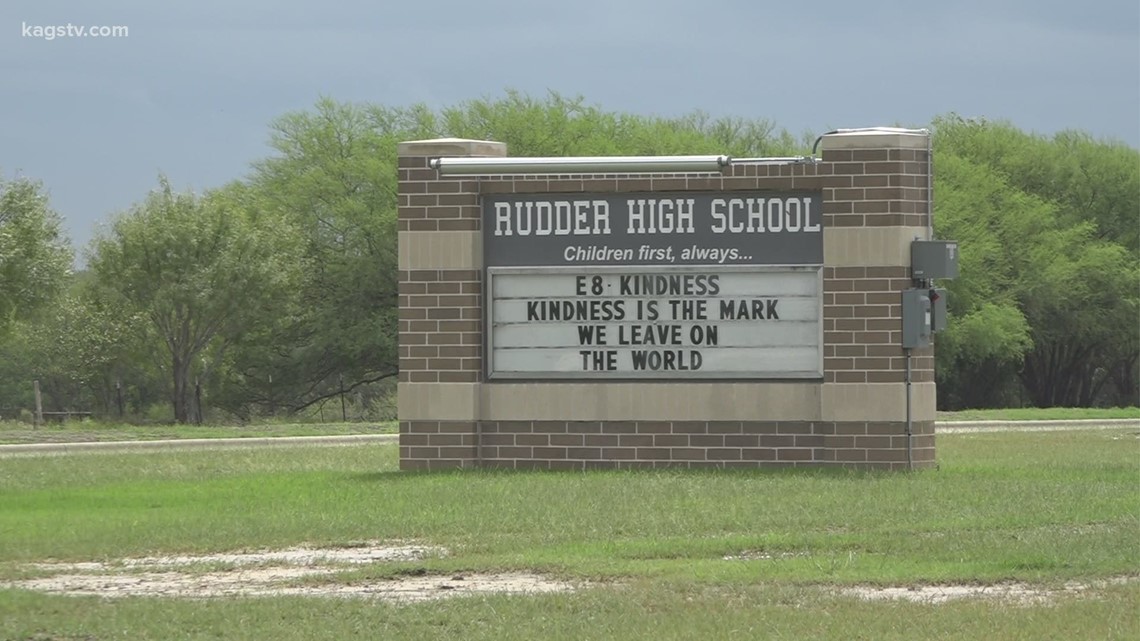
{"x": 48, "y": 449}
{"x": 967, "y": 427}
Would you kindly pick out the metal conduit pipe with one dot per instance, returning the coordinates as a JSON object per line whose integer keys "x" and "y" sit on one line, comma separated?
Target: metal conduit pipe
{"x": 929, "y": 185}
{"x": 909, "y": 422}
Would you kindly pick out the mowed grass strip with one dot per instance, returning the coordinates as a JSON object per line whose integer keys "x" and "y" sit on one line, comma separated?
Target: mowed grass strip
{"x": 1038, "y": 507}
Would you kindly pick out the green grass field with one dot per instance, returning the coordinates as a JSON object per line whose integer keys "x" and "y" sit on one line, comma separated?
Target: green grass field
{"x": 1039, "y": 508}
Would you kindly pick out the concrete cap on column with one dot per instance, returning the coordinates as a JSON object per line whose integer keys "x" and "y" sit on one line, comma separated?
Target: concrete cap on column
{"x": 876, "y": 138}
{"x": 451, "y": 147}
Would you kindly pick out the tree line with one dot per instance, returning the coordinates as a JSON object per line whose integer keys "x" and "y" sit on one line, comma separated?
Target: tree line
{"x": 277, "y": 293}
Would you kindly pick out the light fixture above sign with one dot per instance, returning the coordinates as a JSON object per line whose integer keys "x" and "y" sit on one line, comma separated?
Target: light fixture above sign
{"x": 579, "y": 165}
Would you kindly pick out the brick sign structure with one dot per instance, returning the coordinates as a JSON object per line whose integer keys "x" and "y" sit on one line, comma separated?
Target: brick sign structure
{"x": 745, "y": 318}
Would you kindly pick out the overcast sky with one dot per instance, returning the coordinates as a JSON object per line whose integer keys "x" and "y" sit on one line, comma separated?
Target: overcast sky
{"x": 191, "y": 90}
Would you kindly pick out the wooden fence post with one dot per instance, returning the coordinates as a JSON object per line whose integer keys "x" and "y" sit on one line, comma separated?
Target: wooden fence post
{"x": 119, "y": 397}
{"x": 38, "y": 420}
{"x": 343, "y": 411}
{"x": 198, "y": 401}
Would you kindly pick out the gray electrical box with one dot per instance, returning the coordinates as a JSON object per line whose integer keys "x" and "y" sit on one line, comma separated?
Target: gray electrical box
{"x": 916, "y": 318}
{"x": 930, "y": 259}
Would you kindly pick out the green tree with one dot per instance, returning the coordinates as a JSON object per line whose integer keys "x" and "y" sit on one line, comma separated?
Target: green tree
{"x": 200, "y": 270}
{"x": 78, "y": 349}
{"x": 1088, "y": 180}
{"x": 1048, "y": 226}
{"x": 35, "y": 258}
{"x": 561, "y": 126}
{"x": 982, "y": 349}
{"x": 334, "y": 179}
{"x": 1082, "y": 308}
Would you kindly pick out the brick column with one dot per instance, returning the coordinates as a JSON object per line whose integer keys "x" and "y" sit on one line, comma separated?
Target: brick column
{"x": 875, "y": 204}
{"x": 440, "y": 327}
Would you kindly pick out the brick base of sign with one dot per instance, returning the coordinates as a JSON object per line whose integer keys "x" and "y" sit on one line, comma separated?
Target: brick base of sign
{"x": 581, "y": 445}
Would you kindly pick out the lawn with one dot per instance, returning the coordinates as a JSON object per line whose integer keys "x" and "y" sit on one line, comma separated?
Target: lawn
{"x": 660, "y": 555}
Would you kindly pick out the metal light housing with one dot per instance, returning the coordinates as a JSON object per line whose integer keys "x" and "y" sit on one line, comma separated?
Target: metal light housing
{"x": 579, "y": 165}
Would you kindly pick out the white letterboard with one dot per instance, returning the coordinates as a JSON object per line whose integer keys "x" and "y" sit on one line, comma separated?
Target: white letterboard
{"x": 719, "y": 322}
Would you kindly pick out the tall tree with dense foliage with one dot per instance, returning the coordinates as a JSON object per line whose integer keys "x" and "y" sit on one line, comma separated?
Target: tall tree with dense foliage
{"x": 334, "y": 178}
{"x": 1050, "y": 245}
{"x": 200, "y": 270}
{"x": 35, "y": 258}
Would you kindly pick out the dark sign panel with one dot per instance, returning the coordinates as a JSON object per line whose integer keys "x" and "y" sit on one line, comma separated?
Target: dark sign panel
{"x": 658, "y": 228}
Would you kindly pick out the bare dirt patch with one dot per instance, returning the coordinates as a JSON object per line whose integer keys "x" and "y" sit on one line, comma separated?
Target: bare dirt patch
{"x": 275, "y": 573}
{"x": 1016, "y": 593}
{"x": 299, "y": 556}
